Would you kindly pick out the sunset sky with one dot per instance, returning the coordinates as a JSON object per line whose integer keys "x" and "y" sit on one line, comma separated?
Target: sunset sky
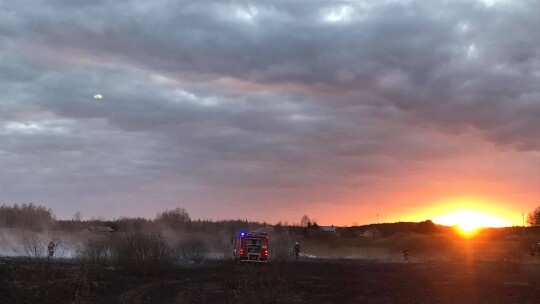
{"x": 268, "y": 110}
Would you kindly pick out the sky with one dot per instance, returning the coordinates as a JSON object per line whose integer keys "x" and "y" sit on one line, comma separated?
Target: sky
{"x": 351, "y": 112}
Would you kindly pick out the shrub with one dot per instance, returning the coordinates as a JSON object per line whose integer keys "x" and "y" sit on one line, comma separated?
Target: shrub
{"x": 91, "y": 256}
{"x": 94, "y": 254}
{"x": 144, "y": 254}
{"x": 281, "y": 248}
{"x": 192, "y": 249}
{"x": 34, "y": 283}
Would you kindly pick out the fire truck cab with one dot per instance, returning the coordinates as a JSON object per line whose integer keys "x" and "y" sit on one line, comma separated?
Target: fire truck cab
{"x": 250, "y": 247}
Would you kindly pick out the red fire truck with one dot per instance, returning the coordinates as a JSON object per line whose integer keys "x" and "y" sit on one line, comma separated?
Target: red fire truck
{"x": 250, "y": 247}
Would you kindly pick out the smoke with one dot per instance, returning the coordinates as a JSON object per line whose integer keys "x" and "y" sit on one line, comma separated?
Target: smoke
{"x": 14, "y": 240}
{"x": 9, "y": 241}
{"x": 422, "y": 248}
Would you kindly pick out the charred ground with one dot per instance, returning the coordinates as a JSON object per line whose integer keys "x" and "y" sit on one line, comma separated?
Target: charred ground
{"x": 305, "y": 281}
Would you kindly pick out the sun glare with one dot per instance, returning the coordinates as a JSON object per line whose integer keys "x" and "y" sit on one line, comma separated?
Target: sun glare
{"x": 469, "y": 221}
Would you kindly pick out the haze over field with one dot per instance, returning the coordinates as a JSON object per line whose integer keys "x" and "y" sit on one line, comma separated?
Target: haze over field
{"x": 270, "y": 110}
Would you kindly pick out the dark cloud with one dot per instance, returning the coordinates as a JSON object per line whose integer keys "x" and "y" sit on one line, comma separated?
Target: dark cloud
{"x": 283, "y": 96}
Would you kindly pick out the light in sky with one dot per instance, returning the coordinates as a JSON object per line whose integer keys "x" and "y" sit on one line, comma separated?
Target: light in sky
{"x": 469, "y": 221}
{"x": 463, "y": 27}
{"x": 339, "y": 14}
{"x": 247, "y": 13}
{"x": 98, "y": 96}
{"x": 490, "y": 3}
{"x": 472, "y": 52}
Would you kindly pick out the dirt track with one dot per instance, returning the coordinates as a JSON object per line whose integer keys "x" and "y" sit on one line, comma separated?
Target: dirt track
{"x": 321, "y": 281}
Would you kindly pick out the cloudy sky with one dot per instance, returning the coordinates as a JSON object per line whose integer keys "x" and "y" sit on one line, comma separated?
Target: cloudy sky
{"x": 269, "y": 110}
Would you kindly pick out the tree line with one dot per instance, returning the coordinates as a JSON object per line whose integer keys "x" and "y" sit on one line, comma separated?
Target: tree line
{"x": 28, "y": 216}
{"x": 38, "y": 218}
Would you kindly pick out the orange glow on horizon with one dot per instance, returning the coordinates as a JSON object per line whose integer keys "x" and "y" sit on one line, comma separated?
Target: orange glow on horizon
{"x": 468, "y": 214}
{"x": 468, "y": 222}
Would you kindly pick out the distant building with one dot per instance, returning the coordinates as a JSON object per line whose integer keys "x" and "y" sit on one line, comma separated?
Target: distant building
{"x": 372, "y": 233}
{"x": 102, "y": 229}
{"x": 265, "y": 228}
{"x": 329, "y": 229}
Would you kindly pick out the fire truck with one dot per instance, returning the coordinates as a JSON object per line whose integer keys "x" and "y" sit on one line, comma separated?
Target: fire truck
{"x": 250, "y": 247}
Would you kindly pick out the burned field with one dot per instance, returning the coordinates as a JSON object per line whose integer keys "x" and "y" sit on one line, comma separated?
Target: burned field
{"x": 305, "y": 281}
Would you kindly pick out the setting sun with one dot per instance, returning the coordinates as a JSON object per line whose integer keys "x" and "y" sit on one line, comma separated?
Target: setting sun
{"x": 469, "y": 221}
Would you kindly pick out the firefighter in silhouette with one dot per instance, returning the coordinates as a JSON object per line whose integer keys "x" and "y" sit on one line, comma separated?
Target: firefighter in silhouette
{"x": 51, "y": 248}
{"x": 405, "y": 255}
{"x": 296, "y": 250}
{"x": 533, "y": 251}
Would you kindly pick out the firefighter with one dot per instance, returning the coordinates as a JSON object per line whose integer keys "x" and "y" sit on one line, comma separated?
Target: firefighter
{"x": 51, "y": 248}
{"x": 533, "y": 251}
{"x": 296, "y": 250}
{"x": 405, "y": 255}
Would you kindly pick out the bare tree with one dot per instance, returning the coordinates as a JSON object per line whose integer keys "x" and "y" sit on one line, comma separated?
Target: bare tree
{"x": 35, "y": 249}
{"x": 77, "y": 216}
{"x": 304, "y": 222}
{"x": 533, "y": 218}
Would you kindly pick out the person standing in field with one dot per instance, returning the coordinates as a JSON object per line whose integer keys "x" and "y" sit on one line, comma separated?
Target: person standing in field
{"x": 405, "y": 255}
{"x": 296, "y": 250}
{"x": 51, "y": 248}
